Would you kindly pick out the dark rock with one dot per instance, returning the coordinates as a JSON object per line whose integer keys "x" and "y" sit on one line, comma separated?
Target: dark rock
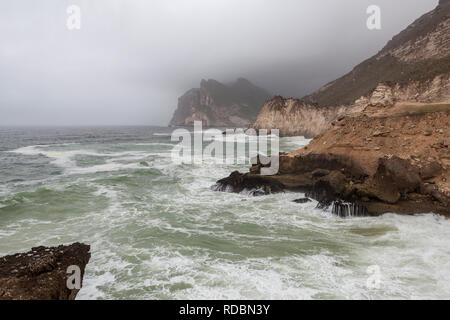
{"x": 41, "y": 274}
{"x": 253, "y": 184}
{"x": 348, "y": 209}
{"x": 430, "y": 170}
{"x": 323, "y": 193}
{"x": 320, "y": 173}
{"x": 302, "y": 200}
{"x": 44, "y": 264}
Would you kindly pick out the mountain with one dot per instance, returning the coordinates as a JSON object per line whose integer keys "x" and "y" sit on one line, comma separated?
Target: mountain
{"x": 413, "y": 67}
{"x": 216, "y": 104}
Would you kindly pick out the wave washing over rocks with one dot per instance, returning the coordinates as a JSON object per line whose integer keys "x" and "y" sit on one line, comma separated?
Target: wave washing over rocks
{"x": 159, "y": 232}
{"x": 370, "y": 163}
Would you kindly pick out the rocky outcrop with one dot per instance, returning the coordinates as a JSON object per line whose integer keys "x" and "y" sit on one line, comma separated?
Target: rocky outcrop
{"x": 294, "y": 117}
{"x": 396, "y": 159}
{"x": 220, "y": 105}
{"x": 414, "y": 67}
{"x": 41, "y": 274}
{"x": 254, "y": 185}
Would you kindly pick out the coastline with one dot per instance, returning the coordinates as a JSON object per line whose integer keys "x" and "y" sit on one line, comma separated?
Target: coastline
{"x": 384, "y": 161}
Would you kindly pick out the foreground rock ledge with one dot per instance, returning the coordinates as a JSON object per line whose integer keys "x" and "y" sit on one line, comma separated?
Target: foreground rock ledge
{"x": 41, "y": 274}
{"x": 379, "y": 162}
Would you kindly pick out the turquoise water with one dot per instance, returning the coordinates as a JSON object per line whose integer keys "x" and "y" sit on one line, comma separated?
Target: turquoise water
{"x": 157, "y": 231}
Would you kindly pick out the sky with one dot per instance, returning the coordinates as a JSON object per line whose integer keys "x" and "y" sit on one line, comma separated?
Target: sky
{"x": 131, "y": 59}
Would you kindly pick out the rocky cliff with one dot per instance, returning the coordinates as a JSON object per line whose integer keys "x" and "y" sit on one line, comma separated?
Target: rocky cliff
{"x": 217, "y": 104}
{"x": 413, "y": 67}
{"x": 41, "y": 274}
{"x": 391, "y": 159}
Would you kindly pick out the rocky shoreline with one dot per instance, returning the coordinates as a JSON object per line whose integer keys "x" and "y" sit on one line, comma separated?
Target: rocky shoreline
{"x": 371, "y": 163}
{"x": 42, "y": 273}
{"x": 381, "y": 131}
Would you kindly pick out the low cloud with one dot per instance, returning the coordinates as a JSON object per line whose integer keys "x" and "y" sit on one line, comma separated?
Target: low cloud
{"x": 131, "y": 60}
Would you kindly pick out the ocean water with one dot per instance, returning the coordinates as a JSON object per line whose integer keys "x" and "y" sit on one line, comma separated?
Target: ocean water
{"x": 157, "y": 231}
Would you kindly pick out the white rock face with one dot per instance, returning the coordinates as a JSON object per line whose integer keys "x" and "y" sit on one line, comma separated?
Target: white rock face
{"x": 294, "y": 117}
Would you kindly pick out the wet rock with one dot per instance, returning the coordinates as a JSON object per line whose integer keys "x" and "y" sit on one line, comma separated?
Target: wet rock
{"x": 347, "y": 209}
{"x": 396, "y": 178}
{"x": 247, "y": 183}
{"x": 41, "y": 274}
{"x": 302, "y": 200}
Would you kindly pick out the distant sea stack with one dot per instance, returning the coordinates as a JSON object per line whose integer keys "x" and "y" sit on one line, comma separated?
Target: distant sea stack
{"x": 413, "y": 67}
{"x": 220, "y": 105}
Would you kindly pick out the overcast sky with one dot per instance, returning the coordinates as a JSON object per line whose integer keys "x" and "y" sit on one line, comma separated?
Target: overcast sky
{"x": 132, "y": 59}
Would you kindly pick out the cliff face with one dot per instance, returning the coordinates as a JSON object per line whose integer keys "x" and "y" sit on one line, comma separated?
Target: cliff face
{"x": 413, "y": 67}
{"x": 217, "y": 104}
{"x": 41, "y": 274}
{"x": 294, "y": 117}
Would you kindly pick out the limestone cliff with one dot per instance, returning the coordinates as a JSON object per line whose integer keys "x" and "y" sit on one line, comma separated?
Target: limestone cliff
{"x": 414, "y": 67}
{"x": 217, "y": 104}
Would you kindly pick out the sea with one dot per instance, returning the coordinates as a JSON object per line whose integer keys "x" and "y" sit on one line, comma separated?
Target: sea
{"x": 158, "y": 231}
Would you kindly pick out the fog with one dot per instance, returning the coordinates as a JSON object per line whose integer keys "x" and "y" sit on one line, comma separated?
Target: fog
{"x": 132, "y": 59}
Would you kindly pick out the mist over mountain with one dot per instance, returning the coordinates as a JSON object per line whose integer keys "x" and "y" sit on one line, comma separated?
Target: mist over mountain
{"x": 236, "y": 104}
{"x": 130, "y": 61}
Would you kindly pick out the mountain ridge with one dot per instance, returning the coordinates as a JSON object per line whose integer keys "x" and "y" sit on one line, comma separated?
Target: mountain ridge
{"x": 216, "y": 104}
{"x": 414, "y": 66}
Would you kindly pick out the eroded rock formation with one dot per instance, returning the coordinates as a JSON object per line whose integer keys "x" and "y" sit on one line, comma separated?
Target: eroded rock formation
{"x": 41, "y": 274}
{"x": 220, "y": 105}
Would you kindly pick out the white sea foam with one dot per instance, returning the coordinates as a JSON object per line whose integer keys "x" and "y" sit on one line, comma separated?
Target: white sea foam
{"x": 162, "y": 134}
{"x": 65, "y": 159}
{"x": 171, "y": 237}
